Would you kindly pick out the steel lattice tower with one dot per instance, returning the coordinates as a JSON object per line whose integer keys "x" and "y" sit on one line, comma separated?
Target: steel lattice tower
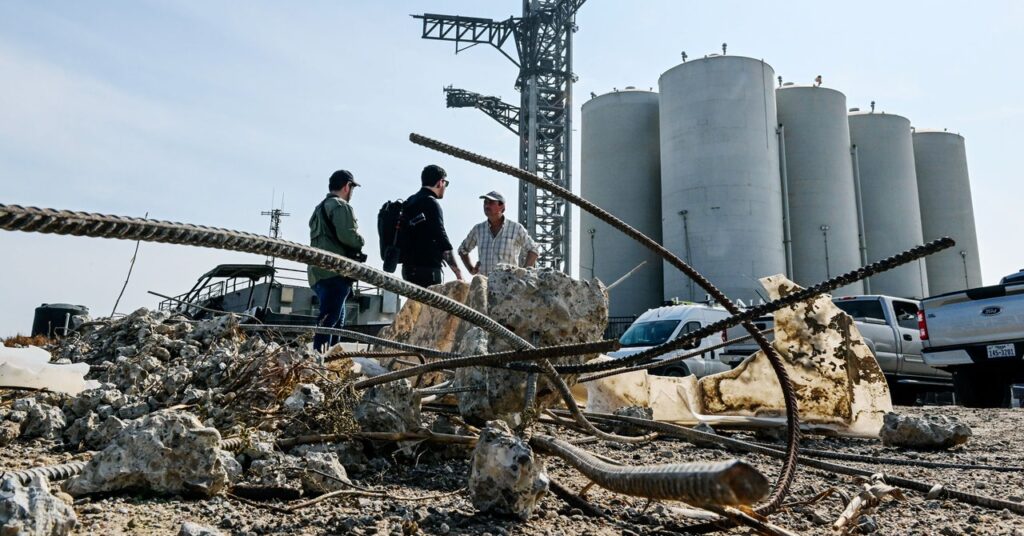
{"x": 543, "y": 53}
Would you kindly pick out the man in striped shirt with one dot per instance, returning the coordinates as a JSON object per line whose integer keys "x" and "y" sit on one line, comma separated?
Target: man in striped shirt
{"x": 501, "y": 241}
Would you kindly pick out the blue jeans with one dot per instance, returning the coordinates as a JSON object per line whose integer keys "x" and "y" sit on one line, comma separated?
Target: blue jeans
{"x": 332, "y": 293}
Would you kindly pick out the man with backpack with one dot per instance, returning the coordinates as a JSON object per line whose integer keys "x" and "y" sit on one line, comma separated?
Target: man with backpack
{"x": 423, "y": 241}
{"x": 333, "y": 227}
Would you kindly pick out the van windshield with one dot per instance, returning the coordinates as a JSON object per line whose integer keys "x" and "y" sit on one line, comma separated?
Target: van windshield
{"x": 648, "y": 333}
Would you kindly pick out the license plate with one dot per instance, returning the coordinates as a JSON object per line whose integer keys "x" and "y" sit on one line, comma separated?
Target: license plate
{"x": 1000, "y": 350}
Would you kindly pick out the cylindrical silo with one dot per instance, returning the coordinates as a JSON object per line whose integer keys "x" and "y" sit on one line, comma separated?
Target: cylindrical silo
{"x": 819, "y": 174}
{"x": 622, "y": 174}
{"x": 721, "y": 195}
{"x": 884, "y": 155}
{"x": 944, "y": 189}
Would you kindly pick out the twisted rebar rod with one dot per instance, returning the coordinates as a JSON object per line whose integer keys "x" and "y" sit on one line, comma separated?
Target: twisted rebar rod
{"x": 63, "y": 222}
{"x": 489, "y": 360}
{"x": 49, "y": 472}
{"x": 669, "y": 361}
{"x": 728, "y": 483}
{"x": 354, "y": 335}
{"x": 789, "y": 396}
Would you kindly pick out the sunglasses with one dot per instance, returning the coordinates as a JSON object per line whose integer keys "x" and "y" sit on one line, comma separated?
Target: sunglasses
{"x": 446, "y": 183}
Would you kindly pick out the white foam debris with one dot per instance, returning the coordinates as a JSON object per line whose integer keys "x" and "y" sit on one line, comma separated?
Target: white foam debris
{"x": 30, "y": 367}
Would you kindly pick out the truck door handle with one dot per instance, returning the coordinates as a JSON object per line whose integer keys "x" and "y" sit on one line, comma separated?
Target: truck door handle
{"x": 907, "y": 337}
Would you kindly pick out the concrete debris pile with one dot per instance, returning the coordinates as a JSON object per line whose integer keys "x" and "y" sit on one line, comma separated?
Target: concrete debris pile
{"x": 545, "y": 307}
{"x": 148, "y": 361}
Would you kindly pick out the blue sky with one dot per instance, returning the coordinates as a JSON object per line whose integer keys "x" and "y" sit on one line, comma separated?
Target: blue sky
{"x": 202, "y": 111}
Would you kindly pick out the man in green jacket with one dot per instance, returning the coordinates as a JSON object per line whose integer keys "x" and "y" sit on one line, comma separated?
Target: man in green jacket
{"x": 333, "y": 227}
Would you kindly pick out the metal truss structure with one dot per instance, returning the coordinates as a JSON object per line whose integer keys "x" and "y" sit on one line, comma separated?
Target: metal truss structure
{"x": 542, "y": 38}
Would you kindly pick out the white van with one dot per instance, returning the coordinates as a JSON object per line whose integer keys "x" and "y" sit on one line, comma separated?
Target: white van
{"x": 663, "y": 324}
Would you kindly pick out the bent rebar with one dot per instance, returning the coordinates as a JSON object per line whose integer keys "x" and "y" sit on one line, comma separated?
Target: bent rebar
{"x": 728, "y": 483}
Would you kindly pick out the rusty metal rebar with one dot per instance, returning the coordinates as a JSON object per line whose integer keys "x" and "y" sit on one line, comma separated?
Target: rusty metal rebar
{"x": 728, "y": 483}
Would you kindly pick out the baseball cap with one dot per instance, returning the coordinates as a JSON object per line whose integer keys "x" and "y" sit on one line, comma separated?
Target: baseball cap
{"x": 494, "y": 196}
{"x": 340, "y": 178}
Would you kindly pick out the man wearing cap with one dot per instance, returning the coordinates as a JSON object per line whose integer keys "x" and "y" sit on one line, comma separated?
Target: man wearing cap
{"x": 501, "y": 241}
{"x": 425, "y": 247}
{"x": 333, "y": 227}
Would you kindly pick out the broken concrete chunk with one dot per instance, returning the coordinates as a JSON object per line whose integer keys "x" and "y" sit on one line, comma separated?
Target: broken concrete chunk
{"x": 350, "y": 454}
{"x": 278, "y": 471}
{"x": 164, "y": 452}
{"x": 77, "y": 432}
{"x": 9, "y": 431}
{"x": 391, "y": 407}
{"x": 133, "y": 411}
{"x": 99, "y": 437}
{"x": 32, "y": 510}
{"x": 505, "y": 477}
{"x": 189, "y": 528}
{"x": 305, "y": 395}
{"x": 931, "y": 432}
{"x": 839, "y": 385}
{"x": 324, "y": 473}
{"x": 637, "y": 412}
{"x": 45, "y": 421}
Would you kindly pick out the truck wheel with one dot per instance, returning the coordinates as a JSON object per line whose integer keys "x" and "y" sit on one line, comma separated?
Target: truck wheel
{"x": 676, "y": 371}
{"x": 981, "y": 389}
{"x": 903, "y": 395}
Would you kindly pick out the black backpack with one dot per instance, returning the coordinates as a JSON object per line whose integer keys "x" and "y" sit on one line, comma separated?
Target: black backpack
{"x": 389, "y": 220}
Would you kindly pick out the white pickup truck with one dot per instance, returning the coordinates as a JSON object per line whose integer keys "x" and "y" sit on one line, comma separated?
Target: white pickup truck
{"x": 890, "y": 329}
{"x": 978, "y": 335}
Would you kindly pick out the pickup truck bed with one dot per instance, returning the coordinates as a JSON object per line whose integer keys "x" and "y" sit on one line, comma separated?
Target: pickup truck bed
{"x": 978, "y": 335}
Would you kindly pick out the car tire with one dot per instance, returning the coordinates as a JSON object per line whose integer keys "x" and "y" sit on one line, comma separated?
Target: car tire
{"x": 981, "y": 389}
{"x": 677, "y": 370}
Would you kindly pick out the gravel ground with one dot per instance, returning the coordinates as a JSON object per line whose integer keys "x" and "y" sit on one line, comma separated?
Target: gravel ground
{"x": 424, "y": 494}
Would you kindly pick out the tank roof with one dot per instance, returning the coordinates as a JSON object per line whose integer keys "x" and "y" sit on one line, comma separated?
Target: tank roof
{"x": 935, "y": 131}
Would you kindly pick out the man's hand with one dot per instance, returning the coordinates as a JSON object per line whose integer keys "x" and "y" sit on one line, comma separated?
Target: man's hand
{"x": 474, "y": 269}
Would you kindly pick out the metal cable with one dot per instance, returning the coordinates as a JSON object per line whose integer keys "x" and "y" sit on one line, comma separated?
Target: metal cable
{"x": 860, "y": 458}
{"x": 792, "y": 418}
{"x": 354, "y": 335}
{"x": 731, "y": 482}
{"x": 490, "y": 360}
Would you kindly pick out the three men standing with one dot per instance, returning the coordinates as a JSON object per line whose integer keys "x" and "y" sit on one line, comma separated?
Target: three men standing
{"x": 333, "y": 227}
{"x": 425, "y": 247}
{"x": 500, "y": 241}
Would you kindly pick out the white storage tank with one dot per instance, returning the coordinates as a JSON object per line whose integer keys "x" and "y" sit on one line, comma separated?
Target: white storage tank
{"x": 944, "y": 190}
{"x": 721, "y": 194}
{"x": 818, "y": 170}
{"x": 621, "y": 174}
{"x": 884, "y": 157}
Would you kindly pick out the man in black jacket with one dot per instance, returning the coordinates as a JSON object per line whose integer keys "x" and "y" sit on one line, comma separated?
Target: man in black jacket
{"x": 425, "y": 244}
